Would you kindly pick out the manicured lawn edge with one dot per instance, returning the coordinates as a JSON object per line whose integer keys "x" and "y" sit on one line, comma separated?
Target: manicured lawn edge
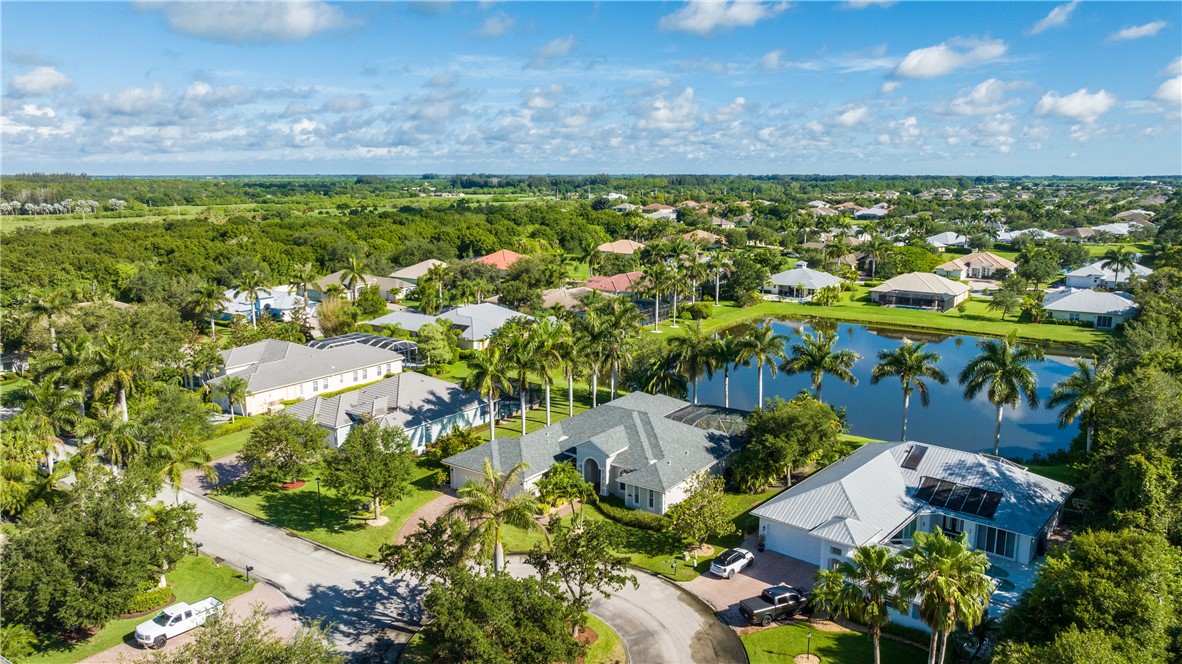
{"x": 783, "y": 642}
{"x": 194, "y": 578}
{"x": 607, "y": 646}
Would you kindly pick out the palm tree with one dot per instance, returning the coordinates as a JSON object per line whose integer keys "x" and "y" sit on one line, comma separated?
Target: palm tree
{"x": 836, "y": 249}
{"x": 1080, "y": 393}
{"x": 1119, "y": 260}
{"x": 950, "y": 583}
{"x": 867, "y": 594}
{"x": 352, "y": 275}
{"x": 697, "y": 272}
{"x": 205, "y": 359}
{"x": 117, "y": 365}
{"x": 111, "y": 437}
{"x": 71, "y": 366}
{"x": 662, "y": 375}
{"x": 47, "y": 412}
{"x": 911, "y": 364}
{"x": 520, "y": 349}
{"x": 235, "y": 389}
{"x": 551, "y": 337}
{"x": 815, "y": 356}
{"x": 623, "y": 321}
{"x": 727, "y": 352}
{"x": 592, "y": 333}
{"x": 50, "y": 306}
{"x": 591, "y": 256}
{"x": 303, "y": 276}
{"x": 170, "y": 461}
{"x": 875, "y": 250}
{"x": 208, "y": 299}
{"x": 437, "y": 274}
{"x": 251, "y": 284}
{"x": 659, "y": 277}
{"x": 488, "y": 375}
{"x": 764, "y": 346}
{"x": 719, "y": 262}
{"x": 1001, "y": 367}
{"x": 691, "y": 349}
{"x": 488, "y": 507}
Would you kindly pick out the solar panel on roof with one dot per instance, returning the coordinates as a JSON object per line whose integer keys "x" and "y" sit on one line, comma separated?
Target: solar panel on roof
{"x": 943, "y": 491}
{"x": 957, "y": 499}
{"x": 914, "y": 457}
{"x": 989, "y": 506}
{"x": 927, "y": 486}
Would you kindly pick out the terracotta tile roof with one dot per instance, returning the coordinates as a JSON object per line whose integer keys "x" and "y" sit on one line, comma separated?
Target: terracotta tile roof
{"x": 501, "y": 259}
{"x": 616, "y": 283}
{"x": 625, "y": 247}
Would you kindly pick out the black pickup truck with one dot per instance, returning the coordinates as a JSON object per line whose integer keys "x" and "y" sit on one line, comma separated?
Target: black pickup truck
{"x": 775, "y": 603}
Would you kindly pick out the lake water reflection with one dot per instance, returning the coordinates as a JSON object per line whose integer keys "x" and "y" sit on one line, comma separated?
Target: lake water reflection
{"x": 875, "y": 411}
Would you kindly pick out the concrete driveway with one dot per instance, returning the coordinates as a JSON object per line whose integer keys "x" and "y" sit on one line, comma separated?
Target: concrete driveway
{"x": 770, "y": 569}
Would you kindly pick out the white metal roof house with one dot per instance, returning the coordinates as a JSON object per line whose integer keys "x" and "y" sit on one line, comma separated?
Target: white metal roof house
{"x": 1095, "y": 275}
{"x": 947, "y": 239}
{"x": 920, "y": 290}
{"x": 424, "y": 406}
{"x": 278, "y": 371}
{"x": 278, "y": 302}
{"x": 884, "y": 492}
{"x": 412, "y": 273}
{"x": 1032, "y": 233}
{"x": 390, "y": 288}
{"x": 476, "y": 322}
{"x": 800, "y": 283}
{"x": 1102, "y": 309}
{"x": 639, "y": 447}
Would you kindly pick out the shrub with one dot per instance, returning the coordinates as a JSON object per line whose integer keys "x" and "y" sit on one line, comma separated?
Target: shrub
{"x": 698, "y": 311}
{"x": 627, "y": 517}
{"x": 151, "y": 596}
{"x": 909, "y": 633}
{"x": 240, "y": 424}
{"x": 748, "y": 298}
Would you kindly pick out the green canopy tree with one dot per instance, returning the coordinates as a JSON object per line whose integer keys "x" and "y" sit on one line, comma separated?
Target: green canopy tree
{"x": 374, "y": 461}
{"x": 282, "y": 446}
{"x": 702, "y": 513}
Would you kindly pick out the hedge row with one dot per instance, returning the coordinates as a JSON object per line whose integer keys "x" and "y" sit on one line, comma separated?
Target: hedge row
{"x": 634, "y": 518}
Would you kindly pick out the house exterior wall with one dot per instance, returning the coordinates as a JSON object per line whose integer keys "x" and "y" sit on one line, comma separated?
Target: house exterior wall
{"x": 940, "y": 301}
{"x": 422, "y": 435}
{"x": 269, "y": 400}
{"x": 790, "y": 541}
{"x": 952, "y": 274}
{"x": 1089, "y": 318}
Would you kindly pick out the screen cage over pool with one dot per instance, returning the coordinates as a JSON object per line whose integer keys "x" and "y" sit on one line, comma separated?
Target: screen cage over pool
{"x": 731, "y": 421}
{"x": 409, "y": 350}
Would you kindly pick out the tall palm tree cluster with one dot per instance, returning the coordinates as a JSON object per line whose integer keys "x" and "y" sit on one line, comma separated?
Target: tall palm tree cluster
{"x": 81, "y": 391}
{"x": 946, "y": 579}
{"x": 597, "y": 343}
{"x": 674, "y": 271}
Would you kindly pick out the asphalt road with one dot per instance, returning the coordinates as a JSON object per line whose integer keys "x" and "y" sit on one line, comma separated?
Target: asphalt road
{"x": 370, "y": 612}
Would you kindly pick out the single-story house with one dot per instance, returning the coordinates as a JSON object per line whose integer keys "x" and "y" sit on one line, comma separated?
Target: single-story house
{"x": 567, "y": 298}
{"x": 977, "y": 265}
{"x": 278, "y": 302}
{"x": 947, "y": 239}
{"x": 278, "y": 371}
{"x": 1096, "y": 275}
{"x": 412, "y": 273}
{"x": 614, "y": 196}
{"x": 476, "y": 322}
{"x": 871, "y": 213}
{"x": 624, "y": 247}
{"x": 920, "y": 290}
{"x": 425, "y": 407}
{"x": 670, "y": 215}
{"x": 801, "y": 282}
{"x": 883, "y": 493}
{"x": 627, "y": 283}
{"x": 704, "y": 237}
{"x": 625, "y": 207}
{"x": 391, "y": 288}
{"x": 656, "y": 207}
{"x": 1118, "y": 228}
{"x": 719, "y": 222}
{"x": 1006, "y": 237}
{"x": 408, "y": 349}
{"x": 634, "y": 448}
{"x": 1102, "y": 309}
{"x": 1081, "y": 233}
{"x": 502, "y": 260}
{"x": 1134, "y": 215}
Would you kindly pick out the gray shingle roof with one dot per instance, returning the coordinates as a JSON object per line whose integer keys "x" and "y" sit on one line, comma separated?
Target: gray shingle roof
{"x": 407, "y": 400}
{"x": 660, "y": 453}
{"x": 1086, "y": 301}
{"x": 272, "y": 363}
{"x": 868, "y": 495}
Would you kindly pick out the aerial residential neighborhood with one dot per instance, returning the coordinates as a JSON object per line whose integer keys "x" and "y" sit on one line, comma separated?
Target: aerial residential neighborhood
{"x": 734, "y": 332}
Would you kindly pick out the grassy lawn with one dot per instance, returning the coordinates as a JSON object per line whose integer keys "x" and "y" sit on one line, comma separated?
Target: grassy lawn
{"x": 11, "y": 384}
{"x": 976, "y": 320}
{"x": 225, "y": 445}
{"x": 1065, "y": 473}
{"x": 781, "y": 644}
{"x": 607, "y": 649}
{"x": 193, "y": 579}
{"x": 344, "y": 527}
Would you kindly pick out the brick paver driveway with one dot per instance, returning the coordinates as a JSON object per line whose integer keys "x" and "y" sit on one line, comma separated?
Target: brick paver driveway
{"x": 770, "y": 569}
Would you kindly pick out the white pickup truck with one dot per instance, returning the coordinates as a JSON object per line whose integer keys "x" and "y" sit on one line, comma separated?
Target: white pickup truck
{"x": 176, "y": 620}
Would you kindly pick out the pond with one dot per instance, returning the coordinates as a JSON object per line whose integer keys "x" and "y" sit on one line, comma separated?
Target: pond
{"x": 875, "y": 411}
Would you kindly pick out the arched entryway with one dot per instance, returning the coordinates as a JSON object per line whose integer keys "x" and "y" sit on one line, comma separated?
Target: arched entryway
{"x": 592, "y": 473}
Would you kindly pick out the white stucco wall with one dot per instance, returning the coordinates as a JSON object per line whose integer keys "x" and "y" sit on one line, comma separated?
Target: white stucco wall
{"x": 1091, "y": 318}
{"x": 269, "y": 400}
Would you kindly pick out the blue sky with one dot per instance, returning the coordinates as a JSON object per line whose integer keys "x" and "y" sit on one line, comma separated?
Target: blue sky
{"x": 1089, "y": 88}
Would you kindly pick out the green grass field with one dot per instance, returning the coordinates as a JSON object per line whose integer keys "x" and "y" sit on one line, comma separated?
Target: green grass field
{"x": 1065, "y": 473}
{"x": 193, "y": 579}
{"x": 225, "y": 445}
{"x": 607, "y": 649}
{"x": 780, "y": 644}
{"x": 976, "y": 320}
{"x": 11, "y": 384}
{"x": 344, "y": 528}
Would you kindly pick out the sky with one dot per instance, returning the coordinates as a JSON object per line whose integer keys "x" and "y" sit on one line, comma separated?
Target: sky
{"x": 861, "y": 87}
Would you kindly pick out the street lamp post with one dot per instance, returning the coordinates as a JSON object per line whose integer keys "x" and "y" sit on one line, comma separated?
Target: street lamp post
{"x": 319, "y": 505}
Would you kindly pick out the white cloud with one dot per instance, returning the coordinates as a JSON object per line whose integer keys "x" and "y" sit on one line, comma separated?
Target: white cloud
{"x": 1137, "y": 31}
{"x": 863, "y": 4}
{"x": 771, "y": 60}
{"x": 1170, "y": 92}
{"x": 496, "y": 25}
{"x": 543, "y": 98}
{"x": 1056, "y": 18}
{"x": 949, "y": 56}
{"x": 204, "y": 94}
{"x": 346, "y": 103}
{"x": 555, "y": 48}
{"x": 41, "y": 82}
{"x": 890, "y": 86}
{"x": 1174, "y": 68}
{"x": 986, "y": 97}
{"x": 704, "y": 18}
{"x": 677, "y": 114}
{"x": 729, "y": 112}
{"x": 852, "y": 116}
{"x": 1079, "y": 105}
{"x": 442, "y": 80}
{"x": 240, "y": 21}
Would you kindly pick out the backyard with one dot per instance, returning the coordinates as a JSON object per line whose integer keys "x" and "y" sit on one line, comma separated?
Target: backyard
{"x": 780, "y": 644}
{"x": 195, "y": 578}
{"x": 299, "y": 510}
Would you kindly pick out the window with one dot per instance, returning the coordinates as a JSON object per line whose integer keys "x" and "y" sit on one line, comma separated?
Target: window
{"x": 315, "y": 385}
{"x": 834, "y": 563}
{"x": 835, "y": 550}
{"x": 996, "y": 541}
{"x": 354, "y": 376}
{"x": 622, "y": 486}
{"x": 301, "y": 388}
{"x": 950, "y": 524}
{"x": 1073, "y": 316}
{"x": 365, "y": 373}
{"x": 1103, "y": 321}
{"x": 906, "y": 533}
{"x": 651, "y": 498}
{"x": 341, "y": 379}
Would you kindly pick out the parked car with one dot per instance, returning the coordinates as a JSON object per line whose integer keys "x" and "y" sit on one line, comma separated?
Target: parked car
{"x": 176, "y": 620}
{"x": 775, "y": 603}
{"x": 731, "y": 562}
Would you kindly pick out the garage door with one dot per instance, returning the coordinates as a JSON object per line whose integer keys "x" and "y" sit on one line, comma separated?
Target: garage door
{"x": 792, "y": 542}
